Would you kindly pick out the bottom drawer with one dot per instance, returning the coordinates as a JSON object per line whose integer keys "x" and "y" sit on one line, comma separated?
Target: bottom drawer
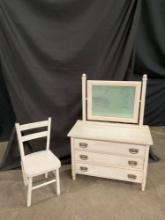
{"x": 109, "y": 172}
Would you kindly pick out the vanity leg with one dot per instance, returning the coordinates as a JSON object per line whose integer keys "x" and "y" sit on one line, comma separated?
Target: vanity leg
{"x": 74, "y": 177}
{"x": 73, "y": 173}
{"x": 73, "y": 160}
{"x": 145, "y": 168}
{"x": 143, "y": 186}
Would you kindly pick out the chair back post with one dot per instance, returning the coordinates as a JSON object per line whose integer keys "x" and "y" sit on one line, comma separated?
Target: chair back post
{"x": 143, "y": 97}
{"x": 22, "y": 153}
{"x": 48, "y": 137}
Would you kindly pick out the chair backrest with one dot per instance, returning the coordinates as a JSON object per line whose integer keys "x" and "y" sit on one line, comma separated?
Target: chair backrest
{"x": 114, "y": 101}
{"x": 31, "y": 126}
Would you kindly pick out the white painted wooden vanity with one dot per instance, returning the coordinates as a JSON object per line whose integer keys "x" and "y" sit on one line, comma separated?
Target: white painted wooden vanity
{"x": 111, "y": 150}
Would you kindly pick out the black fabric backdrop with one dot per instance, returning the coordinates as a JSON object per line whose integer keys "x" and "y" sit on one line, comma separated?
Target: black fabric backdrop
{"x": 45, "y": 46}
{"x": 150, "y": 58}
{"x": 7, "y": 117}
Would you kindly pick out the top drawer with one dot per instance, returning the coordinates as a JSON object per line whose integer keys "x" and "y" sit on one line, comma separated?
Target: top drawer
{"x": 110, "y": 147}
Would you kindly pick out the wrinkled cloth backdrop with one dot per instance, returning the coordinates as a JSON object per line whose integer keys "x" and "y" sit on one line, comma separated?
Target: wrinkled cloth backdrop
{"x": 45, "y": 46}
{"x": 150, "y": 58}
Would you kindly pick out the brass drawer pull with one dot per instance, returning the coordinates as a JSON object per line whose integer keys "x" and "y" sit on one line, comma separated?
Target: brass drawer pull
{"x": 83, "y": 145}
{"x": 131, "y": 176}
{"x": 132, "y": 163}
{"x": 84, "y": 169}
{"x": 83, "y": 157}
{"x": 133, "y": 150}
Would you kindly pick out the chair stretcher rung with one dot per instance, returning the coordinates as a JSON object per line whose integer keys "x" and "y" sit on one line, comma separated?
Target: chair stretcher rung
{"x": 43, "y": 184}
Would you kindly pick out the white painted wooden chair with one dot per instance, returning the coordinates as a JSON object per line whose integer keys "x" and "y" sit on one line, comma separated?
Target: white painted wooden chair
{"x": 38, "y": 163}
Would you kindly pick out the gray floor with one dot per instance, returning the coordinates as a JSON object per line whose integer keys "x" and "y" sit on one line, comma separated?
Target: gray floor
{"x": 88, "y": 197}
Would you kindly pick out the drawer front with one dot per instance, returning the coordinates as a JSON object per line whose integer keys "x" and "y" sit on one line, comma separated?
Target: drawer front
{"x": 109, "y": 172}
{"x": 110, "y": 147}
{"x": 108, "y": 160}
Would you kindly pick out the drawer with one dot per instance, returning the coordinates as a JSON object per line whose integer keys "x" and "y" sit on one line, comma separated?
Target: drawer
{"x": 108, "y": 160}
{"x": 109, "y": 172}
{"x": 110, "y": 147}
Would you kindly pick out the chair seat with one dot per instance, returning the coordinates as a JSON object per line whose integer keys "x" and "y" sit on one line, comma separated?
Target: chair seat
{"x": 40, "y": 162}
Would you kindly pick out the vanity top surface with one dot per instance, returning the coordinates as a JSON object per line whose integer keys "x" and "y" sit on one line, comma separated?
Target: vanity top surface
{"x": 114, "y": 132}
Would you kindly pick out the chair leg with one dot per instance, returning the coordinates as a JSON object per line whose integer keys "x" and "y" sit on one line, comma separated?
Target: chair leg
{"x": 46, "y": 175}
{"x": 24, "y": 175}
{"x": 57, "y": 182}
{"x": 29, "y": 192}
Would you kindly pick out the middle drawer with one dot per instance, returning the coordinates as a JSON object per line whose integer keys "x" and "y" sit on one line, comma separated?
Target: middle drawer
{"x": 110, "y": 147}
{"x": 109, "y": 160}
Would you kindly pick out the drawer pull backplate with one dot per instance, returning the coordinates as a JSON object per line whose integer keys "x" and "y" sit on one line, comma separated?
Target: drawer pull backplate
{"x": 132, "y": 163}
{"x": 131, "y": 176}
{"x": 83, "y": 145}
{"x": 83, "y": 157}
{"x": 85, "y": 169}
{"x": 133, "y": 150}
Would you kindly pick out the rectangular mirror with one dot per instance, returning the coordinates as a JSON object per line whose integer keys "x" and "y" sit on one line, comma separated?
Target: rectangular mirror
{"x": 113, "y": 101}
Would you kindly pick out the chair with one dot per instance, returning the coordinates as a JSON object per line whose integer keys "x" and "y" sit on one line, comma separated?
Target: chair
{"x": 38, "y": 163}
